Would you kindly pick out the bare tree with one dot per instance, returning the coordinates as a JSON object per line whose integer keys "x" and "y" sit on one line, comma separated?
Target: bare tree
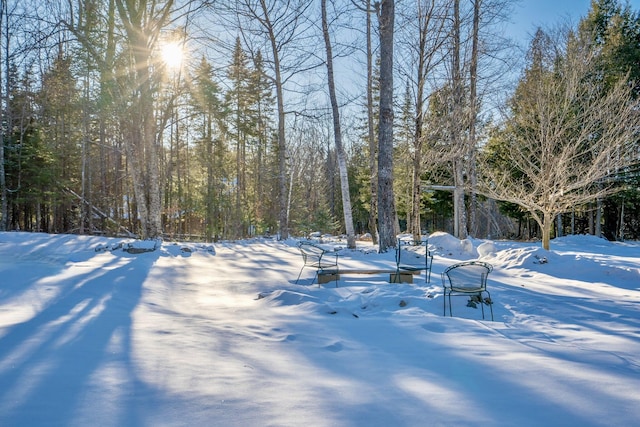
{"x": 142, "y": 22}
{"x": 473, "y": 115}
{"x": 386, "y": 204}
{"x": 369, "y": 10}
{"x": 457, "y": 130}
{"x": 487, "y": 66}
{"x": 427, "y": 23}
{"x": 566, "y": 139}
{"x": 337, "y": 133}
{"x": 373, "y": 209}
{"x": 280, "y": 26}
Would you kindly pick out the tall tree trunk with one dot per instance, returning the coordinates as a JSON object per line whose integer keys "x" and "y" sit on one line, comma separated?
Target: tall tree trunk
{"x": 424, "y": 17}
{"x": 598, "y": 227}
{"x": 337, "y": 133}
{"x": 85, "y": 209}
{"x": 142, "y": 137}
{"x": 559, "y": 226}
{"x": 459, "y": 217}
{"x": 416, "y": 193}
{"x": 386, "y": 203}
{"x": 620, "y": 234}
{"x": 104, "y": 115}
{"x": 473, "y": 114}
{"x": 460, "y": 224}
{"x": 148, "y": 142}
{"x": 4, "y": 96}
{"x": 373, "y": 208}
{"x": 283, "y": 213}
{"x": 547, "y": 224}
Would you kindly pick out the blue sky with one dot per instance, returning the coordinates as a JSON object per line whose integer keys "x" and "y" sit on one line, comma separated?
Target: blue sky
{"x": 530, "y": 14}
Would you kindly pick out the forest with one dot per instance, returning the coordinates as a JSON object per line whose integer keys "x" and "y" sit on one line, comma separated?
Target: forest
{"x": 216, "y": 119}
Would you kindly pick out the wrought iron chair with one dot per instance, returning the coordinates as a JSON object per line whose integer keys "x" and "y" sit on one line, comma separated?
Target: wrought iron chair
{"x": 316, "y": 257}
{"x": 403, "y": 266}
{"x": 467, "y": 278}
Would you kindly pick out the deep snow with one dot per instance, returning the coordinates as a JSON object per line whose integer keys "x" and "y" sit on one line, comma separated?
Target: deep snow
{"x": 220, "y": 335}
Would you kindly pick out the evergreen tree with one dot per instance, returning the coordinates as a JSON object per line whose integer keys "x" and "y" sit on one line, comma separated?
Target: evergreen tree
{"x": 264, "y": 161}
{"x": 211, "y": 116}
{"x": 239, "y": 99}
{"x": 613, "y": 30}
{"x": 60, "y": 121}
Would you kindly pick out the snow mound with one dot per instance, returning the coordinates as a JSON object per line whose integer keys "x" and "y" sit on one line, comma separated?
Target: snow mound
{"x": 523, "y": 257}
{"x": 444, "y": 244}
{"x": 581, "y": 240}
{"x": 285, "y": 298}
{"x": 467, "y": 246}
{"x": 297, "y": 303}
{"x": 486, "y": 249}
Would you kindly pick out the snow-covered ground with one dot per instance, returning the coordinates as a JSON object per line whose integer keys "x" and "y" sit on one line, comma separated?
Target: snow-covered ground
{"x": 220, "y": 335}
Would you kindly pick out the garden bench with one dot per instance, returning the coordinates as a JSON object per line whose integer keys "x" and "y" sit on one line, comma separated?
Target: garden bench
{"x": 395, "y": 275}
{"x": 402, "y": 273}
{"x": 327, "y": 270}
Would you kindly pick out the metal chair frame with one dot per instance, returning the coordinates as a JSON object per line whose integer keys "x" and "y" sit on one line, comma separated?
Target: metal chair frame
{"x": 428, "y": 258}
{"x": 467, "y": 278}
{"x": 316, "y": 257}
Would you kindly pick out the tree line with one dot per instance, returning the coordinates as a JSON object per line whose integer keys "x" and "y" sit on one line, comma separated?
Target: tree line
{"x": 339, "y": 116}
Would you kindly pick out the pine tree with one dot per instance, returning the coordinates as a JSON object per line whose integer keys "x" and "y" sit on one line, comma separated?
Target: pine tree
{"x": 239, "y": 99}
{"x": 263, "y": 161}
{"x": 211, "y": 116}
{"x": 60, "y": 121}
{"x": 614, "y": 31}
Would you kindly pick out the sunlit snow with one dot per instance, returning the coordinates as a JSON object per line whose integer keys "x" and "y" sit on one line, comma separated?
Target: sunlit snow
{"x": 220, "y": 335}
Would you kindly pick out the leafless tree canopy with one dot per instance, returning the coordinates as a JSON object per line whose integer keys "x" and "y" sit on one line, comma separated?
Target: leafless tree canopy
{"x": 567, "y": 138}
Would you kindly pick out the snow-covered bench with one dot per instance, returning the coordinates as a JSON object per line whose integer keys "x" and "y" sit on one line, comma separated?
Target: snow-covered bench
{"x": 327, "y": 270}
{"x": 407, "y": 266}
{"x": 395, "y": 275}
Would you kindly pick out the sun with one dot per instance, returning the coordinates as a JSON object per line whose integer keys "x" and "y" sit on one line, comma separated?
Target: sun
{"x": 172, "y": 54}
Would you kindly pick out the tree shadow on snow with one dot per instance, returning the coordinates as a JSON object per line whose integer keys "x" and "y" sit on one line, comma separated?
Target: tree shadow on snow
{"x": 75, "y": 348}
